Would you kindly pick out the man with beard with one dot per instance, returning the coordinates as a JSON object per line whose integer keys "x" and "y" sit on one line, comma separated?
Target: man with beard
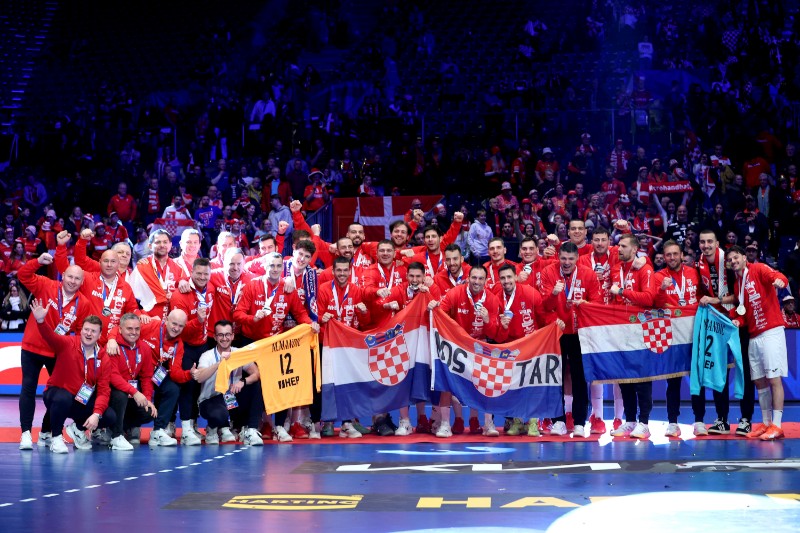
{"x": 156, "y": 277}
{"x": 676, "y": 286}
{"x": 385, "y": 274}
{"x": 631, "y": 286}
{"x": 476, "y": 310}
{"x": 716, "y": 284}
{"x": 261, "y": 311}
{"x": 497, "y": 258}
{"x": 456, "y": 271}
{"x": 566, "y": 285}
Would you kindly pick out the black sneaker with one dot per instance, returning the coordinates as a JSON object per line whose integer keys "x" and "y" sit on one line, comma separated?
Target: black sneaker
{"x": 743, "y": 428}
{"x": 719, "y": 427}
{"x": 382, "y": 427}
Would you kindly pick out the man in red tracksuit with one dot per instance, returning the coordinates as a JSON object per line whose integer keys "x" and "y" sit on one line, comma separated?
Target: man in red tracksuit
{"x": 674, "y": 287}
{"x": 66, "y": 310}
{"x": 394, "y": 299}
{"x": 166, "y": 347}
{"x": 79, "y": 386}
{"x": 566, "y": 285}
{"x": 631, "y": 286}
{"x": 107, "y": 293}
{"x": 261, "y": 311}
{"x": 227, "y": 285}
{"x": 523, "y": 313}
{"x": 385, "y": 274}
{"x": 477, "y": 311}
{"x": 497, "y": 258}
{"x": 529, "y": 269}
{"x": 456, "y": 271}
{"x": 197, "y": 304}
{"x": 131, "y": 382}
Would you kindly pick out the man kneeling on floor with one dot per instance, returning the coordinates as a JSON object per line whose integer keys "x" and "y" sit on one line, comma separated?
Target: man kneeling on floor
{"x": 243, "y": 392}
{"x": 79, "y": 385}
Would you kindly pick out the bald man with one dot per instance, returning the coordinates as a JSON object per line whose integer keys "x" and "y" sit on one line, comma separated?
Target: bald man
{"x": 65, "y": 313}
{"x": 82, "y": 259}
{"x": 109, "y": 296}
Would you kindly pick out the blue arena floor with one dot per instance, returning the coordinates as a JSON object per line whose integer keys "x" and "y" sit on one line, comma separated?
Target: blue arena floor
{"x": 511, "y": 486}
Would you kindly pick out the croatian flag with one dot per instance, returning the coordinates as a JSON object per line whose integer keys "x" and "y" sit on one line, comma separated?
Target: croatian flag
{"x": 518, "y": 379}
{"x": 368, "y": 372}
{"x": 630, "y": 344}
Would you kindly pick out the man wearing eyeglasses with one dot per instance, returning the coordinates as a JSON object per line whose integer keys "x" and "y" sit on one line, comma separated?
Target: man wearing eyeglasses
{"x": 244, "y": 393}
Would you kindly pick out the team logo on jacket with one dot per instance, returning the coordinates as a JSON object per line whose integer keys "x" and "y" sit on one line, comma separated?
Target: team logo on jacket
{"x": 656, "y": 329}
{"x": 388, "y": 356}
{"x": 493, "y": 370}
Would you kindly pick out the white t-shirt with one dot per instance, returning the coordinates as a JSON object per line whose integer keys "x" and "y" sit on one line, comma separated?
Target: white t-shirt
{"x": 207, "y": 359}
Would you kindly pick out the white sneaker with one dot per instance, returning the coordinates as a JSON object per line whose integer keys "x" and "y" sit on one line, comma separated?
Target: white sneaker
{"x": 641, "y": 431}
{"x": 120, "y": 444}
{"x": 253, "y": 438}
{"x": 44, "y": 439}
{"x": 26, "y": 441}
{"x": 279, "y": 434}
{"x": 188, "y": 438}
{"x": 226, "y": 435}
{"x": 159, "y": 437}
{"x": 57, "y": 445}
{"x": 700, "y": 429}
{"x": 79, "y": 437}
{"x": 171, "y": 429}
{"x": 444, "y": 431}
{"x": 313, "y": 432}
{"x": 673, "y": 430}
{"x": 307, "y": 424}
{"x": 490, "y": 431}
{"x": 624, "y": 430}
{"x": 135, "y": 435}
{"x": 212, "y": 437}
{"x": 579, "y": 432}
{"x": 349, "y": 432}
{"x": 101, "y": 436}
{"x": 559, "y": 428}
{"x": 403, "y": 428}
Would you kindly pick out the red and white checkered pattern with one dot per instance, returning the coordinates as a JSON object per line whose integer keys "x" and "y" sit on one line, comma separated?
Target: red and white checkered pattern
{"x": 491, "y": 376}
{"x": 388, "y": 362}
{"x": 172, "y": 225}
{"x": 657, "y": 334}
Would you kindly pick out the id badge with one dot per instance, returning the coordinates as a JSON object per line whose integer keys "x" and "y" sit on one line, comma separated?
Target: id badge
{"x": 84, "y": 393}
{"x": 61, "y": 329}
{"x": 230, "y": 401}
{"x": 133, "y": 383}
{"x": 159, "y": 375}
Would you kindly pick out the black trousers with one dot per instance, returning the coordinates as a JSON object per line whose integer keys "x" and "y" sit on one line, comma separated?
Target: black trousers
{"x": 571, "y": 348}
{"x": 673, "y": 399}
{"x": 637, "y": 397}
{"x": 166, "y": 398}
{"x": 190, "y": 391}
{"x": 128, "y": 414}
{"x": 251, "y": 405}
{"x": 32, "y": 364}
{"x": 62, "y": 405}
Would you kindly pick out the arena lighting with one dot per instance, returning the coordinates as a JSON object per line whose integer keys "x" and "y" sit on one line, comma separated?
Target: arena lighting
{"x": 685, "y": 511}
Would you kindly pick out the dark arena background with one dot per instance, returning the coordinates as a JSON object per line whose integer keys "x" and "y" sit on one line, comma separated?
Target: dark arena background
{"x": 672, "y": 120}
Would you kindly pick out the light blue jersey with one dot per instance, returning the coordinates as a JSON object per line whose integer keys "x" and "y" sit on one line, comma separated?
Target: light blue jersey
{"x": 715, "y": 336}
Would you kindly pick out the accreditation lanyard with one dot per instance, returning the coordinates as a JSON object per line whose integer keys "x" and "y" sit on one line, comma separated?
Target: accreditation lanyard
{"x": 163, "y": 355}
{"x": 138, "y": 360}
{"x": 61, "y": 303}
{"x": 339, "y": 308}
{"x": 86, "y": 364}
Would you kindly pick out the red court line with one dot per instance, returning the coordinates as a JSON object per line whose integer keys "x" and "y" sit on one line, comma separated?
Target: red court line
{"x": 791, "y": 429}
